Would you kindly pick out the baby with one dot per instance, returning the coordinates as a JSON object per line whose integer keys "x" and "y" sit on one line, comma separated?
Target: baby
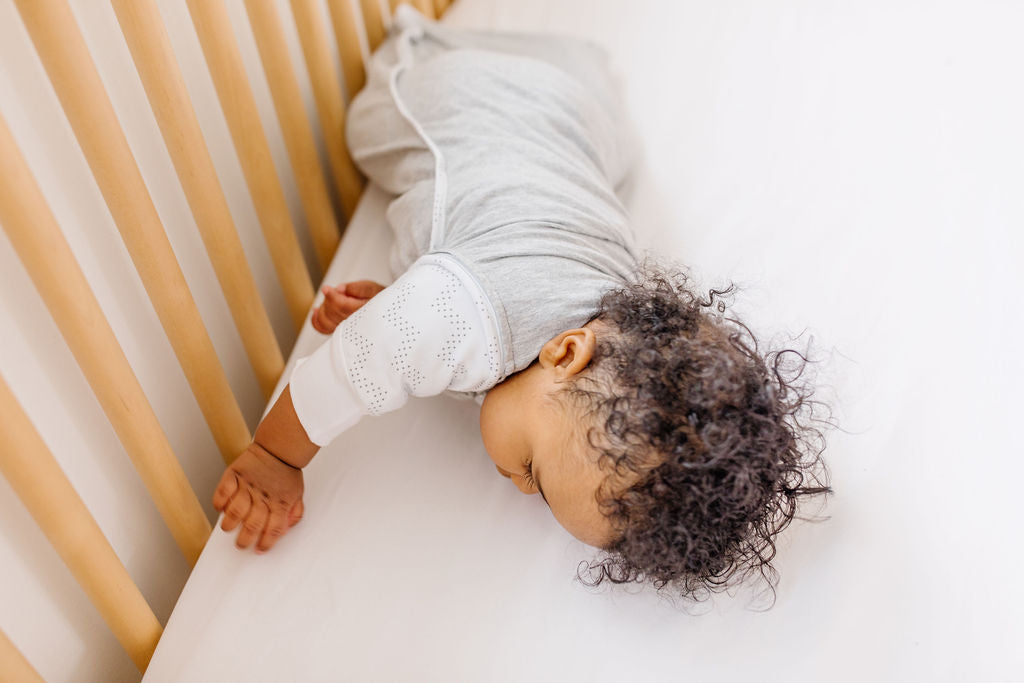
{"x": 650, "y": 425}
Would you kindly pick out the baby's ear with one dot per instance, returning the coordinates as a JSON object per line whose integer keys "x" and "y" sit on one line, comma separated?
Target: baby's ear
{"x": 569, "y": 353}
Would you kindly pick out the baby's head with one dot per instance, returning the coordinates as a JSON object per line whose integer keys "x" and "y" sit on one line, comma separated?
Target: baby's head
{"x": 658, "y": 432}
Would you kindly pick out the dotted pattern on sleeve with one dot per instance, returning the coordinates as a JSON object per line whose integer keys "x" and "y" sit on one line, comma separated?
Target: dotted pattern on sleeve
{"x": 429, "y": 332}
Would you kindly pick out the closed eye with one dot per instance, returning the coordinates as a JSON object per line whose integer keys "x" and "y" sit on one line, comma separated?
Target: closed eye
{"x": 528, "y": 475}
{"x": 533, "y": 482}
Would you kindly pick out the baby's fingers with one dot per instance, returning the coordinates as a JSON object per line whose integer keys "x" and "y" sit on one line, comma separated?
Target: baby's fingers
{"x": 237, "y": 509}
{"x": 225, "y": 489}
{"x": 254, "y": 523}
{"x": 325, "y": 319}
{"x": 363, "y": 289}
{"x": 277, "y": 526}
{"x": 338, "y": 305}
{"x": 296, "y": 513}
{"x": 318, "y": 319}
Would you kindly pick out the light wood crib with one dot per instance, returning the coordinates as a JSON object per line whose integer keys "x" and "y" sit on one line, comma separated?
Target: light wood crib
{"x": 857, "y": 165}
{"x": 34, "y": 233}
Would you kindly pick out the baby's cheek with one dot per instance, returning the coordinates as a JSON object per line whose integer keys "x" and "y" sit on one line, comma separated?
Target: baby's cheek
{"x": 493, "y": 428}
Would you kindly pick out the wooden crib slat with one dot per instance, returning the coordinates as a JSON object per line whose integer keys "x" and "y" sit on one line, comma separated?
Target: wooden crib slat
{"x": 13, "y": 665}
{"x": 217, "y": 39}
{"x": 330, "y": 104}
{"x": 151, "y": 50}
{"x": 44, "y": 489}
{"x": 373, "y": 20}
{"x": 73, "y": 74}
{"x": 346, "y": 35}
{"x": 426, "y": 8}
{"x": 47, "y": 257}
{"x": 393, "y": 4}
{"x": 298, "y": 135}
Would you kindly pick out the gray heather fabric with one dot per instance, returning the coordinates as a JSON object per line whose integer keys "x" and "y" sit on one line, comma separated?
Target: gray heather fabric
{"x": 519, "y": 185}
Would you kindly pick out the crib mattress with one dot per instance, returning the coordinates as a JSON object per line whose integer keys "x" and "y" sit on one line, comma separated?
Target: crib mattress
{"x": 804, "y": 150}
{"x": 404, "y": 564}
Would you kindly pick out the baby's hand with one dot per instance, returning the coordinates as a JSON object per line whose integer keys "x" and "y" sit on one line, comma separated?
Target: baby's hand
{"x": 262, "y": 493}
{"x": 342, "y": 301}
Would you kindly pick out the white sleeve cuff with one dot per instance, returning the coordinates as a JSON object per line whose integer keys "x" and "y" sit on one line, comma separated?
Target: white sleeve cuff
{"x": 432, "y": 330}
{"x": 324, "y": 400}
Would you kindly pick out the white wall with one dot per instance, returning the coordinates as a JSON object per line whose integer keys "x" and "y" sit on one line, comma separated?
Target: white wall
{"x": 42, "y": 608}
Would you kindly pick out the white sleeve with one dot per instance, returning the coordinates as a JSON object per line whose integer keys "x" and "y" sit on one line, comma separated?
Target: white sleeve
{"x": 432, "y": 330}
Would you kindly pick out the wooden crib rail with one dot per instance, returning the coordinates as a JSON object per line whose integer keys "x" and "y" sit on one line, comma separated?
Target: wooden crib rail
{"x": 373, "y": 20}
{"x": 298, "y": 136}
{"x": 346, "y": 34}
{"x": 154, "y": 60}
{"x": 426, "y": 7}
{"x": 66, "y": 59}
{"x": 217, "y": 40}
{"x": 44, "y": 489}
{"x": 47, "y": 257}
{"x": 330, "y": 104}
{"x": 13, "y": 664}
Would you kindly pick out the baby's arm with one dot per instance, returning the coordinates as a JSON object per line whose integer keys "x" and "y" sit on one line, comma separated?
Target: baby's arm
{"x": 262, "y": 488}
{"x": 430, "y": 331}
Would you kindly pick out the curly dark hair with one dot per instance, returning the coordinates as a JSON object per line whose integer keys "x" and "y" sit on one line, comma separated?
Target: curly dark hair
{"x": 707, "y": 443}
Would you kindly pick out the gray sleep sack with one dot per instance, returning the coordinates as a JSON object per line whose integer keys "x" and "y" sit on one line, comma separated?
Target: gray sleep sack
{"x": 504, "y": 152}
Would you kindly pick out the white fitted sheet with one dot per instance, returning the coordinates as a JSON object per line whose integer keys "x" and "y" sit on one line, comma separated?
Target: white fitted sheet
{"x": 857, "y": 167}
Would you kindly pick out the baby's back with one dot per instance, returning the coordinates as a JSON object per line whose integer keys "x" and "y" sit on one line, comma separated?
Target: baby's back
{"x": 505, "y": 161}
